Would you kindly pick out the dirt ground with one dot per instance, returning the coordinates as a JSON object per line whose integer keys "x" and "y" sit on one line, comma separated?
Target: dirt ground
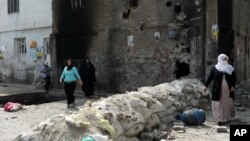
{"x": 12, "y": 124}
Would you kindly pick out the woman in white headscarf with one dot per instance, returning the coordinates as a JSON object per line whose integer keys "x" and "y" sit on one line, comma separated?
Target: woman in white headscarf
{"x": 224, "y": 80}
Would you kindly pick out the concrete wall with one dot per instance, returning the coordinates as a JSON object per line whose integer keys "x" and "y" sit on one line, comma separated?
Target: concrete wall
{"x": 240, "y": 51}
{"x": 241, "y": 28}
{"x": 211, "y": 41}
{"x": 34, "y": 22}
{"x": 149, "y": 60}
{"x": 32, "y": 14}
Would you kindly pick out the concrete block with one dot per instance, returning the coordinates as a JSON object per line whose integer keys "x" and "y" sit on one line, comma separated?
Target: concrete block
{"x": 158, "y": 135}
{"x": 147, "y": 136}
{"x": 242, "y": 109}
{"x": 221, "y": 129}
{"x": 178, "y": 127}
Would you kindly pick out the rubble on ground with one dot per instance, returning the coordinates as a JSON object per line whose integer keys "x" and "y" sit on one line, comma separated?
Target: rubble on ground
{"x": 124, "y": 117}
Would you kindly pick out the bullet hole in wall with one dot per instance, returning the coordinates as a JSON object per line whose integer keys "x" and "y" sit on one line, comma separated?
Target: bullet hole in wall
{"x": 157, "y": 38}
{"x": 177, "y": 8}
{"x": 188, "y": 49}
{"x": 168, "y": 3}
{"x": 133, "y": 3}
{"x": 125, "y": 15}
{"x": 142, "y": 27}
{"x": 181, "y": 69}
{"x": 177, "y": 46}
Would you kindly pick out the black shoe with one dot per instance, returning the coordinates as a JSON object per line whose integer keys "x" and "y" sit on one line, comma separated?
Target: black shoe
{"x": 219, "y": 123}
{"x": 71, "y": 105}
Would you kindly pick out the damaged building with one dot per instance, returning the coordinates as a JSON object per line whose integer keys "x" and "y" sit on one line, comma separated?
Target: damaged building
{"x": 131, "y": 43}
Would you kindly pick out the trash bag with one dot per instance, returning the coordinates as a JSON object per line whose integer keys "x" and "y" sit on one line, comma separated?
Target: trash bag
{"x": 192, "y": 117}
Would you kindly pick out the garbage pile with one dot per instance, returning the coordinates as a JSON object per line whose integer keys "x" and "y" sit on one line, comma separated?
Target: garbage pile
{"x": 132, "y": 116}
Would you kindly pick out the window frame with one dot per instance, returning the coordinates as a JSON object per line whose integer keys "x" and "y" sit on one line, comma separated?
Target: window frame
{"x": 20, "y": 45}
{"x": 13, "y": 6}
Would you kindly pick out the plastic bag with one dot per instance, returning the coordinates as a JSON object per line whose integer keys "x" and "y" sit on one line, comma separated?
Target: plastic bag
{"x": 12, "y": 107}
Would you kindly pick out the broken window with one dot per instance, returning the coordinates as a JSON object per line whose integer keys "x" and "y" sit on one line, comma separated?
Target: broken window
{"x": 13, "y": 6}
{"x": 181, "y": 69}
{"x": 125, "y": 15}
{"x": 77, "y": 4}
{"x": 177, "y": 8}
{"x": 20, "y": 44}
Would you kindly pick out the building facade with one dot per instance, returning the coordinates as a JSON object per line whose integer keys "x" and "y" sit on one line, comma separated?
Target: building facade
{"x": 132, "y": 43}
{"x": 25, "y": 30}
{"x": 227, "y": 31}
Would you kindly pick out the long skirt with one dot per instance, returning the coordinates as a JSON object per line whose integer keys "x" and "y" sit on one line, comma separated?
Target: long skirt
{"x": 88, "y": 88}
{"x": 224, "y": 109}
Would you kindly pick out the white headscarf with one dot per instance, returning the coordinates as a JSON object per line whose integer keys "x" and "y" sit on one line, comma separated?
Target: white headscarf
{"x": 223, "y": 65}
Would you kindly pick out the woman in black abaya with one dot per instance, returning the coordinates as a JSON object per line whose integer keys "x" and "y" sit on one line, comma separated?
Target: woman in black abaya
{"x": 87, "y": 73}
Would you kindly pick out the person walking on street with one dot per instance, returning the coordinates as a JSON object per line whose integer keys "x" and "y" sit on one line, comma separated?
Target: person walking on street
{"x": 87, "y": 73}
{"x": 69, "y": 77}
{"x": 224, "y": 81}
{"x": 45, "y": 73}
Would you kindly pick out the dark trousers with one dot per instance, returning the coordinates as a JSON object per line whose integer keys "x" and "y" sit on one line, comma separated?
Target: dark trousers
{"x": 47, "y": 80}
{"x": 88, "y": 88}
{"x": 69, "y": 89}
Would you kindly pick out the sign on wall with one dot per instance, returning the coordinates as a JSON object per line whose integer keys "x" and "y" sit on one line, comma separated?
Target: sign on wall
{"x": 215, "y": 32}
{"x": 39, "y": 53}
{"x": 3, "y": 48}
{"x": 130, "y": 41}
{"x": 33, "y": 44}
{"x": 32, "y": 54}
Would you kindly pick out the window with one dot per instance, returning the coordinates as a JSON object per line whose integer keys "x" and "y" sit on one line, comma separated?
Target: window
{"x": 20, "y": 44}
{"x": 13, "y": 6}
{"x": 77, "y": 4}
{"x": 46, "y": 45}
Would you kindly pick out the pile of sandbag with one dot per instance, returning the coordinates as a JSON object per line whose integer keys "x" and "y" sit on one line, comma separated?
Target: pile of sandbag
{"x": 122, "y": 117}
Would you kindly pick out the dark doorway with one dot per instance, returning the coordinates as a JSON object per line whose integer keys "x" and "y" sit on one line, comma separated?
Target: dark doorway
{"x": 181, "y": 69}
{"x": 72, "y": 25}
{"x": 226, "y": 40}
